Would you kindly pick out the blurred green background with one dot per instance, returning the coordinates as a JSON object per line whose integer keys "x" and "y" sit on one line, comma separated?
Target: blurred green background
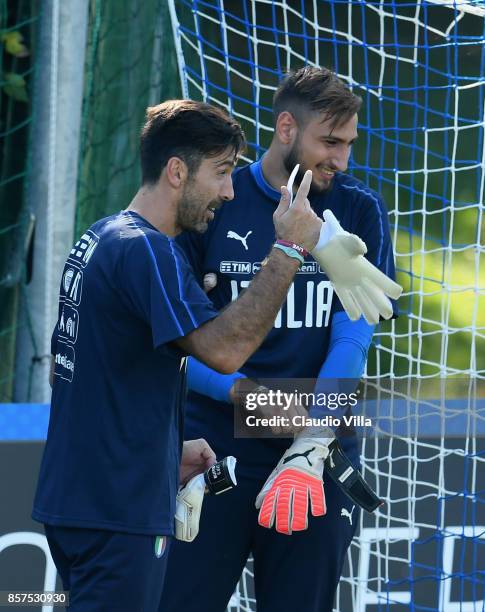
{"x": 18, "y": 26}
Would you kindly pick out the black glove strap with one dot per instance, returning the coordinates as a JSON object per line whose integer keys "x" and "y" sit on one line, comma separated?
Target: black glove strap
{"x": 349, "y": 479}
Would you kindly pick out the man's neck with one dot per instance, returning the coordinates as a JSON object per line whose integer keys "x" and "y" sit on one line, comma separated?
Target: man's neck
{"x": 156, "y": 208}
{"x": 274, "y": 171}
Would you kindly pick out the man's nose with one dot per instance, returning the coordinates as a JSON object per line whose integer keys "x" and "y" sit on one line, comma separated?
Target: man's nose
{"x": 227, "y": 192}
{"x": 340, "y": 158}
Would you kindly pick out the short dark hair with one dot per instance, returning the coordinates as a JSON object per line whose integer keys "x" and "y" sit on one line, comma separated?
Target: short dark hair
{"x": 186, "y": 129}
{"x": 317, "y": 90}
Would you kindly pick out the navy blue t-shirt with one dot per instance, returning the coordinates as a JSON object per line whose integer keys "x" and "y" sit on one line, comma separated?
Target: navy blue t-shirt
{"x": 236, "y": 243}
{"x": 112, "y": 454}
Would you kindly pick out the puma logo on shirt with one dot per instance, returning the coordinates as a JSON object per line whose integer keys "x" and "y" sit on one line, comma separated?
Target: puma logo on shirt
{"x": 236, "y": 236}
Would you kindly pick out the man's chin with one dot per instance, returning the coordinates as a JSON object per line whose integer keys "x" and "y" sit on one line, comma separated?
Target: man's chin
{"x": 317, "y": 187}
{"x": 201, "y": 227}
{"x": 320, "y": 187}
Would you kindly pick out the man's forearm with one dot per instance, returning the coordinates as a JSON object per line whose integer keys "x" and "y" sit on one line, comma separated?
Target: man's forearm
{"x": 227, "y": 341}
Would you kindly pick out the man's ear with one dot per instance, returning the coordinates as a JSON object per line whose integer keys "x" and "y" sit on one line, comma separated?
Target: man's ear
{"x": 176, "y": 172}
{"x": 286, "y": 128}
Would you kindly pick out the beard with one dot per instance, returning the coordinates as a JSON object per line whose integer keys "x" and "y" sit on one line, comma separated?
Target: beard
{"x": 291, "y": 159}
{"x": 192, "y": 210}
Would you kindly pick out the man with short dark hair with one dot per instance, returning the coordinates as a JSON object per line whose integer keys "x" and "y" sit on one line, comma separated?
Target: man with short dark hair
{"x": 313, "y": 337}
{"x": 129, "y": 310}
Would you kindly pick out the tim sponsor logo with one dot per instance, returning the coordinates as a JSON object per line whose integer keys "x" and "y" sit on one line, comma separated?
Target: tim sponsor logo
{"x": 235, "y": 267}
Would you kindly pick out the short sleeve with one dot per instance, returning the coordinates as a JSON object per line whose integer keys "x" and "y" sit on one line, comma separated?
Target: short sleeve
{"x": 159, "y": 285}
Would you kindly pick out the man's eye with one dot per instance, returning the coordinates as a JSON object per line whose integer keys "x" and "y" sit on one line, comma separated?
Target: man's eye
{"x": 331, "y": 143}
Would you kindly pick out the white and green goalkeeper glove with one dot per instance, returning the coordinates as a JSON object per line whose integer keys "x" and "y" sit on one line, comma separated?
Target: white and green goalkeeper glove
{"x": 361, "y": 287}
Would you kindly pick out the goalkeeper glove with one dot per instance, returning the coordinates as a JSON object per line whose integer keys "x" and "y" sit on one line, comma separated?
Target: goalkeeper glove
{"x": 188, "y": 508}
{"x": 296, "y": 480}
{"x": 217, "y": 479}
{"x": 361, "y": 287}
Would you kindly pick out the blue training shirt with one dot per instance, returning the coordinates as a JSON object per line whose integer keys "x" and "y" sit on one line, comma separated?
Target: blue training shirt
{"x": 236, "y": 243}
{"x": 112, "y": 454}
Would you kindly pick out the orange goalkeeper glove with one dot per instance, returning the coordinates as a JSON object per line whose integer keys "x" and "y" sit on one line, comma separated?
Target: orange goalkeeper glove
{"x": 295, "y": 481}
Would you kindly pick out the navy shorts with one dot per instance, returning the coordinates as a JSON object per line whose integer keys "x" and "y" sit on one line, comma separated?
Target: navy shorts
{"x": 107, "y": 570}
{"x": 297, "y": 572}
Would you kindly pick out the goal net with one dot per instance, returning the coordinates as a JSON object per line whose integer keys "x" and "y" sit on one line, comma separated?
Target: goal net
{"x": 419, "y": 68}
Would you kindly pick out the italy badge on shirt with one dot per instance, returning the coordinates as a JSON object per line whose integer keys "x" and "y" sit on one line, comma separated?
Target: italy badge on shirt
{"x": 160, "y": 545}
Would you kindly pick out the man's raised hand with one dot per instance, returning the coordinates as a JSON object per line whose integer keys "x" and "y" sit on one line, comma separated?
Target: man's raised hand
{"x": 296, "y": 221}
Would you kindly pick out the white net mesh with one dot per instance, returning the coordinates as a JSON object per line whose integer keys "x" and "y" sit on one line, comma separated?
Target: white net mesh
{"x": 419, "y": 68}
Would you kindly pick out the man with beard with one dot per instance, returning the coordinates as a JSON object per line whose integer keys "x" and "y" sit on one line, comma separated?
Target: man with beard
{"x": 129, "y": 310}
{"x": 315, "y": 126}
